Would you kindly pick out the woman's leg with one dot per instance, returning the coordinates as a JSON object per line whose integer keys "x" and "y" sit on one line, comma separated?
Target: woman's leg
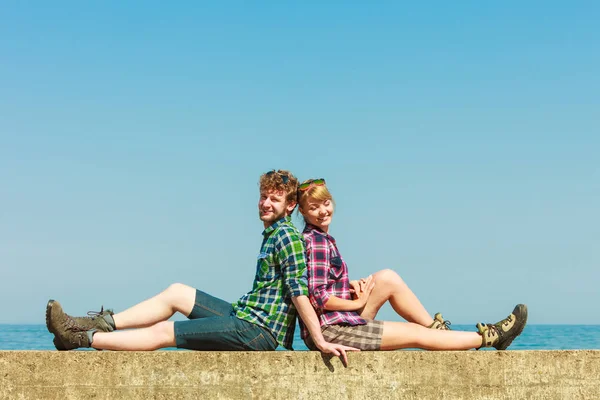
{"x": 157, "y": 336}
{"x": 402, "y": 335}
{"x": 177, "y": 297}
{"x": 390, "y": 287}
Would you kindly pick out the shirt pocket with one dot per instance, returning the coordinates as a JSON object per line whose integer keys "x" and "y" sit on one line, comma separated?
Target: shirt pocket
{"x": 265, "y": 267}
{"x": 336, "y": 267}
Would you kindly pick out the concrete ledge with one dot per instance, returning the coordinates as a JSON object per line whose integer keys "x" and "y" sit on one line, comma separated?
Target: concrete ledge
{"x": 300, "y": 375}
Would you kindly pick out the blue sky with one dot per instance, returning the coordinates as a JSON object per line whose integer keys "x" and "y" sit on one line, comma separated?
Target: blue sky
{"x": 460, "y": 141}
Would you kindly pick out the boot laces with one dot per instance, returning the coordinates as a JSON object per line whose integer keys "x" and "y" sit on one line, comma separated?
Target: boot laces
{"x": 492, "y": 328}
{"x": 94, "y": 314}
{"x": 507, "y": 321}
{"x": 72, "y": 325}
{"x": 446, "y": 324}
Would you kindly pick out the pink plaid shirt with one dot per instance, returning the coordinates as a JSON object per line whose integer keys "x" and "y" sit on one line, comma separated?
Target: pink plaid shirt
{"x": 327, "y": 276}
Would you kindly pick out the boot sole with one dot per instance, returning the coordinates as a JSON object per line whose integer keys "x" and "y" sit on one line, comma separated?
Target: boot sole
{"x": 48, "y": 310}
{"x": 57, "y": 343}
{"x": 520, "y": 312}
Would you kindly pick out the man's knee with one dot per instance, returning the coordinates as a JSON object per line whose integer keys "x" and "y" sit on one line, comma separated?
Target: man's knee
{"x": 180, "y": 297}
{"x": 178, "y": 288}
{"x": 165, "y": 330}
{"x": 178, "y": 293}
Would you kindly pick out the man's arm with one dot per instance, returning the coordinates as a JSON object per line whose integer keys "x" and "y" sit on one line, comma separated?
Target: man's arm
{"x": 310, "y": 319}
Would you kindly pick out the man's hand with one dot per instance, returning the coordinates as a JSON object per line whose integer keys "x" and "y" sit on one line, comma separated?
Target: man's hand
{"x": 337, "y": 350}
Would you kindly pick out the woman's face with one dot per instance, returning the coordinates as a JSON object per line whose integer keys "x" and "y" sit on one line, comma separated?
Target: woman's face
{"x": 317, "y": 212}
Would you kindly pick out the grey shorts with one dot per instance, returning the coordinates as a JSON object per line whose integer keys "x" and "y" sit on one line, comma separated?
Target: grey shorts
{"x": 364, "y": 337}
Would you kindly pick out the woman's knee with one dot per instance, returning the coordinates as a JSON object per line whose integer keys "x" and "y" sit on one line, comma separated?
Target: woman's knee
{"x": 387, "y": 276}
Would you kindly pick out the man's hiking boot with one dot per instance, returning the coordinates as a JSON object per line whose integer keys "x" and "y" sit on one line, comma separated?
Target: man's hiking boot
{"x": 440, "y": 323}
{"x": 58, "y": 323}
{"x": 501, "y": 334}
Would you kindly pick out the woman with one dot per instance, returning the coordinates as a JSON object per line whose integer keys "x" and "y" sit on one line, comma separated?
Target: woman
{"x": 347, "y": 310}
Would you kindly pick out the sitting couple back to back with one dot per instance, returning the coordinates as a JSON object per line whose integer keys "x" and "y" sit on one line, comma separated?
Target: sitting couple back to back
{"x": 297, "y": 274}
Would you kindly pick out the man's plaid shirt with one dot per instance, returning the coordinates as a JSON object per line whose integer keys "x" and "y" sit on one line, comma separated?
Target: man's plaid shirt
{"x": 327, "y": 276}
{"x": 280, "y": 275}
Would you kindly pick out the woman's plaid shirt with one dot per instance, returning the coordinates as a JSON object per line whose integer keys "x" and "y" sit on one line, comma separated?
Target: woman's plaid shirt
{"x": 280, "y": 275}
{"x": 327, "y": 276}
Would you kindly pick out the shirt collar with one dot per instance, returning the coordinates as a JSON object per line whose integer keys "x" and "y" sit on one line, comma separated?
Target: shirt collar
{"x": 311, "y": 227}
{"x": 277, "y": 224}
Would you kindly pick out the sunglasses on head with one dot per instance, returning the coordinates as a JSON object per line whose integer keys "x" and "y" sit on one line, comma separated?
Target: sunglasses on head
{"x": 284, "y": 176}
{"x": 311, "y": 182}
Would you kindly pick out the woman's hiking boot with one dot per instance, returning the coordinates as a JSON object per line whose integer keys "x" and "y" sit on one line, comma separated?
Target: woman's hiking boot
{"x": 440, "y": 323}
{"x": 501, "y": 334}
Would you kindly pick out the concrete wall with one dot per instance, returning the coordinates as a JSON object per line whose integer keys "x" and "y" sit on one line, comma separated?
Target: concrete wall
{"x": 300, "y": 375}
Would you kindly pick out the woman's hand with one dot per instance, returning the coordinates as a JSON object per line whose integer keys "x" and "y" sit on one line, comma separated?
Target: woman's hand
{"x": 362, "y": 290}
{"x": 357, "y": 287}
{"x": 354, "y": 289}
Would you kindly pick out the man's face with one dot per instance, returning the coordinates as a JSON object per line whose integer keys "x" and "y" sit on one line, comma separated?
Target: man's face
{"x": 272, "y": 206}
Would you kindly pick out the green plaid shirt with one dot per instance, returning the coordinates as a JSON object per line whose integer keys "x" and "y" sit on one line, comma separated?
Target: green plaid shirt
{"x": 280, "y": 275}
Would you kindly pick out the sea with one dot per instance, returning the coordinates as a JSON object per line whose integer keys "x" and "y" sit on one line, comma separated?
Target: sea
{"x": 534, "y": 337}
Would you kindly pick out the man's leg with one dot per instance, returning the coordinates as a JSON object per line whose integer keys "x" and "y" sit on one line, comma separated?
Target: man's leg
{"x": 390, "y": 287}
{"x": 213, "y": 333}
{"x": 157, "y": 336}
{"x": 177, "y": 297}
{"x": 214, "y": 328}
{"x": 162, "y": 334}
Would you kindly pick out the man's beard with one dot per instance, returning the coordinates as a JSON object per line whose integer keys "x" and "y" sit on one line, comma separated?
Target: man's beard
{"x": 272, "y": 217}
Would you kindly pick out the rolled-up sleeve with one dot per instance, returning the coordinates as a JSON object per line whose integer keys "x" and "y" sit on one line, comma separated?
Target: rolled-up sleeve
{"x": 289, "y": 248}
{"x": 317, "y": 261}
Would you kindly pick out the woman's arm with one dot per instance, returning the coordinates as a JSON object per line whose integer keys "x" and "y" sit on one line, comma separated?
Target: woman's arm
{"x": 318, "y": 263}
{"x": 336, "y": 304}
{"x": 291, "y": 257}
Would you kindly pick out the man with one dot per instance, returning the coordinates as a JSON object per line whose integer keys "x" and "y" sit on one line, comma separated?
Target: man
{"x": 262, "y": 319}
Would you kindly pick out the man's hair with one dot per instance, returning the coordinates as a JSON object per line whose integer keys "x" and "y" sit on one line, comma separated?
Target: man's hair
{"x": 280, "y": 181}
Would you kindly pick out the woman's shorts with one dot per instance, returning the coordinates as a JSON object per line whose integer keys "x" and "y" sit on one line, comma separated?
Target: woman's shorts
{"x": 364, "y": 337}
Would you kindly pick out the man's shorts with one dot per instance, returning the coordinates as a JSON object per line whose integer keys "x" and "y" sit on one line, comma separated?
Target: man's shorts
{"x": 364, "y": 337}
{"x": 212, "y": 325}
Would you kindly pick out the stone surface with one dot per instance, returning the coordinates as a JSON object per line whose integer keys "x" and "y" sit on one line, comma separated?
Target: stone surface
{"x": 299, "y": 375}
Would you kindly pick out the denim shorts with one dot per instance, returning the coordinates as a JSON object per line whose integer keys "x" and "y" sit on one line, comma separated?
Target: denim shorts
{"x": 212, "y": 325}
